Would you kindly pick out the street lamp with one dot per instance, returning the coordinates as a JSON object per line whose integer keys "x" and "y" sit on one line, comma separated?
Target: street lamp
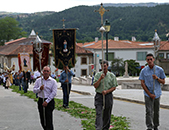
{"x": 107, "y": 30}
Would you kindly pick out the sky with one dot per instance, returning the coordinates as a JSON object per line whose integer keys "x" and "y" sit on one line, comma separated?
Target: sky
{"x": 31, "y": 6}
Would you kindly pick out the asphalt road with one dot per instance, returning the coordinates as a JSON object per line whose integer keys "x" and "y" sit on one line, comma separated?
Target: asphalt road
{"x": 134, "y": 112}
{"x": 20, "y": 113}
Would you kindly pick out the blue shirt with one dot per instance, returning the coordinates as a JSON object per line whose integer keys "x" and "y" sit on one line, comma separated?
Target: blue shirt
{"x": 146, "y": 75}
{"x": 63, "y": 76}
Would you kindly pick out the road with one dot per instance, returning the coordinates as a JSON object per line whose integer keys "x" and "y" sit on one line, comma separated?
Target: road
{"x": 133, "y": 111}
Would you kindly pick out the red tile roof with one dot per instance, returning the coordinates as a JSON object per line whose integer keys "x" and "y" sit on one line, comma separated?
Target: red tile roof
{"x": 18, "y": 46}
{"x": 164, "y": 45}
{"x": 80, "y": 50}
{"x": 122, "y": 44}
{"x": 25, "y": 45}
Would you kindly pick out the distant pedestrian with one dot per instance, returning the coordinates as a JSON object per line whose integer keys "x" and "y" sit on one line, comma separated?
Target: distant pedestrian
{"x": 151, "y": 76}
{"x": 20, "y": 80}
{"x": 103, "y": 115}
{"x": 49, "y": 88}
{"x": 65, "y": 79}
{"x": 32, "y": 79}
{"x": 53, "y": 75}
{"x": 8, "y": 82}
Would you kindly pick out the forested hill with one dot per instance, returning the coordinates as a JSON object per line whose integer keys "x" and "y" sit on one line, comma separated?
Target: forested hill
{"x": 126, "y": 22}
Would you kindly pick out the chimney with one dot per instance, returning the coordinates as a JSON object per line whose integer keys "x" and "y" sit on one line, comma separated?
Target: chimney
{"x": 96, "y": 39}
{"x": 133, "y": 39}
{"x": 116, "y": 38}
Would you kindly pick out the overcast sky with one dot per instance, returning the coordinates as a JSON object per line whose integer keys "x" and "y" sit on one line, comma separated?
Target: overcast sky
{"x": 31, "y": 6}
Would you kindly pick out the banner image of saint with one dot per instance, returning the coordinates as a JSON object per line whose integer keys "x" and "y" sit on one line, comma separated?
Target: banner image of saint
{"x": 45, "y": 57}
{"x": 24, "y": 62}
{"x": 64, "y": 46}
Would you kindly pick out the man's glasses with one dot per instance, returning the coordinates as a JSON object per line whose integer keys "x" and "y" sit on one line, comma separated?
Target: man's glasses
{"x": 46, "y": 70}
{"x": 149, "y": 59}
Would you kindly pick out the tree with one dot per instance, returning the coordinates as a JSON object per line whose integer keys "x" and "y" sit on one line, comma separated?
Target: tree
{"x": 9, "y": 29}
{"x": 133, "y": 67}
{"x": 117, "y": 66}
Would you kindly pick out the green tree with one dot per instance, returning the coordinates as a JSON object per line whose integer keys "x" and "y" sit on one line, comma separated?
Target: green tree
{"x": 132, "y": 67}
{"x": 117, "y": 66}
{"x": 9, "y": 29}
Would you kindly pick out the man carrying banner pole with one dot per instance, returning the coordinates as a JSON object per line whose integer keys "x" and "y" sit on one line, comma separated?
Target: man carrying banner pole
{"x": 65, "y": 79}
{"x": 64, "y": 49}
{"x": 45, "y": 100}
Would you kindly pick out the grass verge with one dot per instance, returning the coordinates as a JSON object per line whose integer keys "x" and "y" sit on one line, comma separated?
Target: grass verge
{"x": 87, "y": 115}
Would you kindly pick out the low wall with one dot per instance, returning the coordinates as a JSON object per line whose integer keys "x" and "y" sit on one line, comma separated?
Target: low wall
{"x": 137, "y": 85}
{"x": 126, "y": 83}
{"x": 82, "y": 80}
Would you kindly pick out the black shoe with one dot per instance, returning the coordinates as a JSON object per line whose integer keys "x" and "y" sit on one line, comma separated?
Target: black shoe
{"x": 65, "y": 106}
{"x": 155, "y": 128}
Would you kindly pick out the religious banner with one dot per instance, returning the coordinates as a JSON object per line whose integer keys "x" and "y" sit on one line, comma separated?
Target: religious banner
{"x": 44, "y": 59}
{"x": 24, "y": 62}
{"x": 64, "y": 46}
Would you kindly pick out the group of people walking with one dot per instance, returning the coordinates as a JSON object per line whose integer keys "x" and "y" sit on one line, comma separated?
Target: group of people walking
{"x": 104, "y": 83}
{"x": 151, "y": 76}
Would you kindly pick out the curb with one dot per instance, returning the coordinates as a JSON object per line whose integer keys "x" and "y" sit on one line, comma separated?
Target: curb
{"x": 120, "y": 98}
{"x": 139, "y": 102}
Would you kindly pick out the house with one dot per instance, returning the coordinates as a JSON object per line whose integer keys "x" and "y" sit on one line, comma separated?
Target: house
{"x": 9, "y": 54}
{"x": 127, "y": 50}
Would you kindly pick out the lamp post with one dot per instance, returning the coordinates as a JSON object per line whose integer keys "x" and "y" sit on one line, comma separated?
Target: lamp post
{"x": 102, "y": 30}
{"x": 107, "y": 30}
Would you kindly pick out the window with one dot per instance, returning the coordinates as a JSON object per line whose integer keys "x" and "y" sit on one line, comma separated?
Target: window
{"x": 141, "y": 56}
{"x": 110, "y": 56}
{"x": 84, "y": 72}
{"x": 167, "y": 55}
{"x": 83, "y": 60}
{"x": 161, "y": 55}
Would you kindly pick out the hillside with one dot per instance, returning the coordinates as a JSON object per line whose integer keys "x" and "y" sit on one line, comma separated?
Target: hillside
{"x": 125, "y": 22}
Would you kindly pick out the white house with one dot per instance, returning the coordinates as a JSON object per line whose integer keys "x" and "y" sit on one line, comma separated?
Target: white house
{"x": 127, "y": 50}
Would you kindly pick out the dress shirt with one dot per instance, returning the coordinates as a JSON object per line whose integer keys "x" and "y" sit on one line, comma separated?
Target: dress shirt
{"x": 109, "y": 81}
{"x": 146, "y": 75}
{"x": 63, "y": 76}
{"x": 50, "y": 88}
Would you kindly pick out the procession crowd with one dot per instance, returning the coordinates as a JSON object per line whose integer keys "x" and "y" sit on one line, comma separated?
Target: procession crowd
{"x": 20, "y": 78}
{"x": 45, "y": 87}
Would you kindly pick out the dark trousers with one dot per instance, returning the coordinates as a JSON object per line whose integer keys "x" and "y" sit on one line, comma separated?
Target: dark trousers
{"x": 152, "y": 112}
{"x": 48, "y": 114}
{"x": 66, "y": 92}
{"x": 103, "y": 117}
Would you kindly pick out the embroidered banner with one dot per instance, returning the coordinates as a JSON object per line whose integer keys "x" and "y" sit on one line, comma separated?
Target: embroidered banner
{"x": 44, "y": 59}
{"x": 24, "y": 61}
{"x": 64, "y": 46}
